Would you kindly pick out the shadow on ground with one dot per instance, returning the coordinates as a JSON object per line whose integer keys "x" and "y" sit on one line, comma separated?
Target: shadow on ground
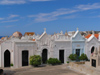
{"x": 9, "y": 72}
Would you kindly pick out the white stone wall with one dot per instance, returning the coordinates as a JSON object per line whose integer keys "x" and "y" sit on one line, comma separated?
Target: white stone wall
{"x": 52, "y": 43}
{"x": 89, "y": 44}
{"x": 8, "y": 45}
{"x": 44, "y": 42}
{"x": 78, "y": 42}
{"x": 78, "y": 45}
{"x": 66, "y": 46}
{"x": 21, "y": 46}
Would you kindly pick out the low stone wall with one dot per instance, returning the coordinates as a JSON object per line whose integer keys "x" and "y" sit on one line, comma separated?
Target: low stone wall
{"x": 88, "y": 63}
{"x": 84, "y": 69}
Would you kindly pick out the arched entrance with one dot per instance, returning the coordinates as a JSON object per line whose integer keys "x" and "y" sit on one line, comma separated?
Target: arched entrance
{"x": 7, "y": 58}
{"x": 25, "y": 58}
{"x": 44, "y": 56}
{"x": 92, "y": 49}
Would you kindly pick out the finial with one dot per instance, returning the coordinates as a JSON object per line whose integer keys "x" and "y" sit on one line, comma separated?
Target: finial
{"x": 61, "y": 32}
{"x": 77, "y": 29}
{"x": 44, "y": 29}
{"x": 92, "y": 32}
{"x": 88, "y": 32}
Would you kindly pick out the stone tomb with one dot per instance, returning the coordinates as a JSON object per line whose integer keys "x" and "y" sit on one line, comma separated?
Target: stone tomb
{"x": 95, "y": 58}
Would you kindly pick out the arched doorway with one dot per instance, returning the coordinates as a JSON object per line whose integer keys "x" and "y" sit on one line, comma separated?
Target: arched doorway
{"x": 44, "y": 56}
{"x": 92, "y": 49}
{"x": 25, "y": 58}
{"x": 7, "y": 58}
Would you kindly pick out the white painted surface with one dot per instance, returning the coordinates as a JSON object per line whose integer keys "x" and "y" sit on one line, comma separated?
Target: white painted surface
{"x": 52, "y": 43}
{"x": 78, "y": 42}
{"x": 89, "y": 44}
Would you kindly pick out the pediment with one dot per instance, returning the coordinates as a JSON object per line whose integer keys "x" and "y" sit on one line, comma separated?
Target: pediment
{"x": 94, "y": 40}
{"x": 78, "y": 37}
{"x": 44, "y": 40}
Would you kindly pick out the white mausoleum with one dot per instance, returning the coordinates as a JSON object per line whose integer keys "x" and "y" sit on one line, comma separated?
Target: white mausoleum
{"x": 17, "y": 49}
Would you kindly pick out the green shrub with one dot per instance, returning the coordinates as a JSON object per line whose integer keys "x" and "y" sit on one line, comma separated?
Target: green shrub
{"x": 53, "y": 61}
{"x": 73, "y": 56}
{"x": 35, "y": 60}
{"x": 11, "y": 65}
{"x": 67, "y": 61}
{"x": 83, "y": 57}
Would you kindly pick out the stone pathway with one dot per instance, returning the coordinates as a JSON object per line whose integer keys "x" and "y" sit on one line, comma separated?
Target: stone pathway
{"x": 48, "y": 70}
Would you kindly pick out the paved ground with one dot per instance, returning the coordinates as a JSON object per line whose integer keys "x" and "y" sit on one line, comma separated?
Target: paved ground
{"x": 48, "y": 70}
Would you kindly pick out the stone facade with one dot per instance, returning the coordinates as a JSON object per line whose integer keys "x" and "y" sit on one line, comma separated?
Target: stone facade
{"x": 95, "y": 58}
{"x": 78, "y": 43}
{"x": 59, "y": 45}
{"x": 55, "y": 45}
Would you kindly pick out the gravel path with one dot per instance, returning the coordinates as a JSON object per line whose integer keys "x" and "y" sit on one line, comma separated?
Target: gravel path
{"x": 48, "y": 70}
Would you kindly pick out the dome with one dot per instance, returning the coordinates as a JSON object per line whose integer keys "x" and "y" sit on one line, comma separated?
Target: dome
{"x": 17, "y": 34}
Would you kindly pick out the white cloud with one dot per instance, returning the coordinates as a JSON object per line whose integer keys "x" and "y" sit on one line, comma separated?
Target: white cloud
{"x": 8, "y": 26}
{"x": 1, "y": 18}
{"x": 9, "y": 21}
{"x": 39, "y": 0}
{"x": 12, "y": 16}
{"x": 8, "y": 2}
{"x": 70, "y": 17}
{"x": 89, "y": 6}
{"x": 43, "y": 17}
{"x": 98, "y": 16}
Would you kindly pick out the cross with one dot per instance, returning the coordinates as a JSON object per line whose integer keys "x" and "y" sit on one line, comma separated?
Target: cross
{"x": 93, "y": 32}
{"x": 77, "y": 28}
{"x": 44, "y": 29}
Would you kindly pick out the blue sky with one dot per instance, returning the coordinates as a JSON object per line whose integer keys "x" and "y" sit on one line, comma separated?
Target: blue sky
{"x": 54, "y": 15}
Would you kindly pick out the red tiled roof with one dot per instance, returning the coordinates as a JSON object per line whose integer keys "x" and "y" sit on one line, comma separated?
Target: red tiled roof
{"x": 29, "y": 33}
{"x": 33, "y": 40}
{"x": 2, "y": 38}
{"x": 96, "y": 35}
{"x": 17, "y": 34}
